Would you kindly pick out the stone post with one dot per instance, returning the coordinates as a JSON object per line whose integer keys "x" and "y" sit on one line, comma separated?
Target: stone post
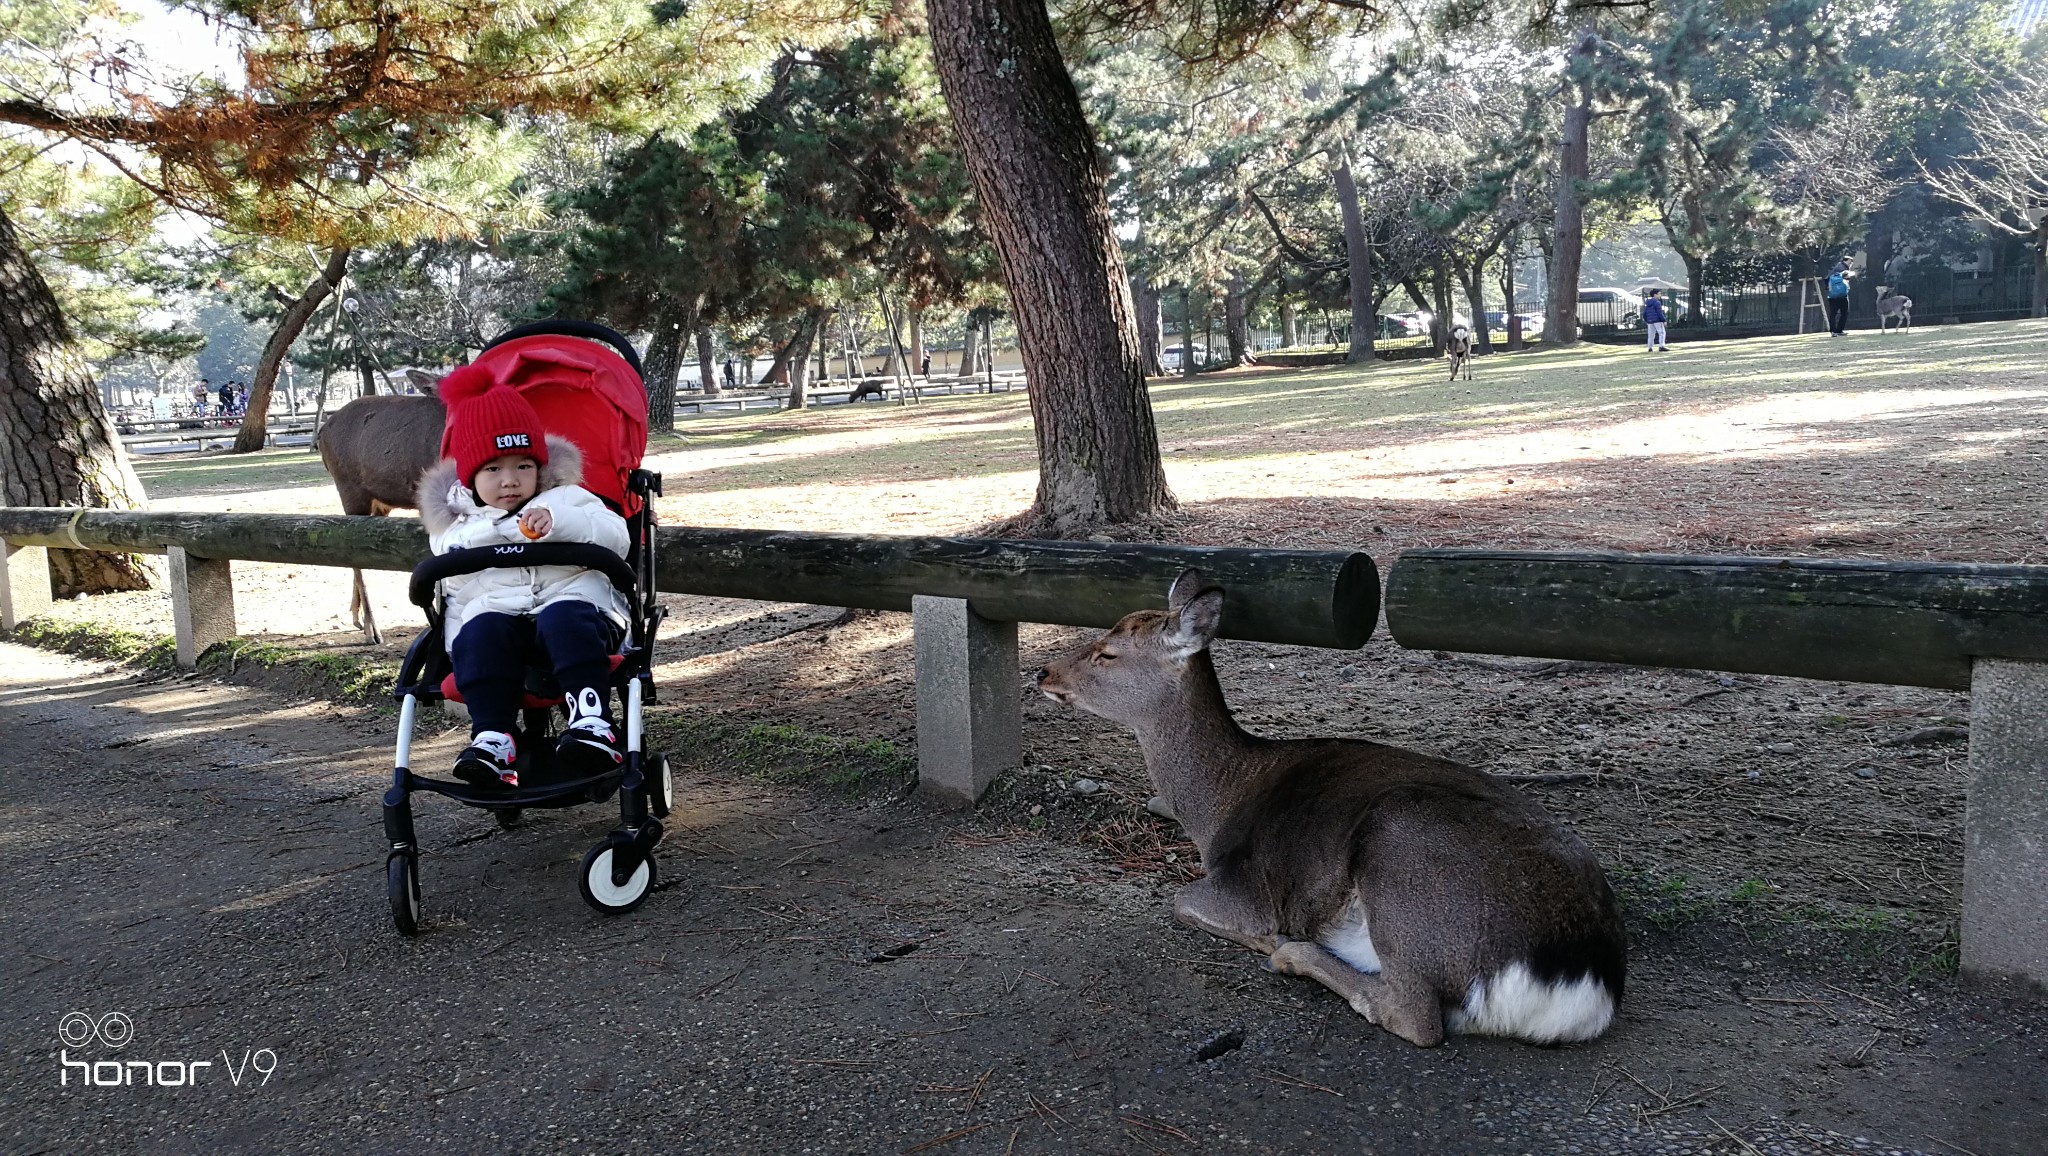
{"x": 2005, "y": 824}
{"x": 202, "y": 603}
{"x": 970, "y": 720}
{"x": 24, "y": 585}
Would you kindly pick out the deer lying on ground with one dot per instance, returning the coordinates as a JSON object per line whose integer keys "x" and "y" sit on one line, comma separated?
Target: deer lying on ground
{"x": 375, "y": 449}
{"x": 1893, "y": 307}
{"x": 1428, "y": 894}
{"x": 1460, "y": 349}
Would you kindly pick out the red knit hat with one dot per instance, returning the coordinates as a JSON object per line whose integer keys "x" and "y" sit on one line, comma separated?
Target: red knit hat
{"x": 487, "y": 420}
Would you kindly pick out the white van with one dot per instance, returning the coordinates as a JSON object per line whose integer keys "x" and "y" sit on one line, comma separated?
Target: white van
{"x": 1607, "y": 305}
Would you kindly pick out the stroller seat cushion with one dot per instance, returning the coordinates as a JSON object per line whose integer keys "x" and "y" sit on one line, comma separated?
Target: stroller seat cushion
{"x": 528, "y": 699}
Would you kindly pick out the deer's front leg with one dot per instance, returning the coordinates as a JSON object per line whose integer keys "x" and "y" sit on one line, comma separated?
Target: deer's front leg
{"x": 1396, "y": 1000}
{"x": 1207, "y": 907}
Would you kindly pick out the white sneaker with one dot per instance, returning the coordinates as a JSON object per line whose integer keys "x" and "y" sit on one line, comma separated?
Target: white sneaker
{"x": 489, "y": 760}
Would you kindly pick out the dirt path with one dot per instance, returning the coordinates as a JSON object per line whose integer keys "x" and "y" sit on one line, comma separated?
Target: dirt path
{"x": 817, "y": 974}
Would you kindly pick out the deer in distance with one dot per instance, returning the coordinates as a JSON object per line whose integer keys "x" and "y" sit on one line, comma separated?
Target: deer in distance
{"x": 375, "y": 449}
{"x": 1459, "y": 347}
{"x": 1432, "y": 896}
{"x": 1894, "y": 310}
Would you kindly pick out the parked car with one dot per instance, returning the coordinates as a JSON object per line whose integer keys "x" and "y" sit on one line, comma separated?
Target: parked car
{"x": 1532, "y": 323}
{"x": 1607, "y": 305}
{"x": 1170, "y": 358}
{"x": 1415, "y": 324}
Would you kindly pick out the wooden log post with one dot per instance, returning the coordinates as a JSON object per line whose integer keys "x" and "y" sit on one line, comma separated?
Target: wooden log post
{"x": 2005, "y": 826}
{"x": 202, "y": 604}
{"x": 24, "y": 585}
{"x": 970, "y": 716}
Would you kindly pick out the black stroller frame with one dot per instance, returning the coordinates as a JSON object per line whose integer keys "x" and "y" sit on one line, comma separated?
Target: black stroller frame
{"x": 619, "y": 872}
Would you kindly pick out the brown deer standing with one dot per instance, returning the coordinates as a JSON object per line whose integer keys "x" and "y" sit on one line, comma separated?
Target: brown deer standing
{"x": 375, "y": 449}
{"x": 1428, "y": 894}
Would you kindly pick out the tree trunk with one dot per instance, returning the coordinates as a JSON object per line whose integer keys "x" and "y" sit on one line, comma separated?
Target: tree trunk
{"x": 256, "y": 423}
{"x": 778, "y": 368}
{"x": 1568, "y": 225}
{"x": 895, "y": 368}
{"x": 1510, "y": 308}
{"x": 1034, "y": 162}
{"x": 1473, "y": 278}
{"x": 1358, "y": 260}
{"x": 60, "y": 449}
{"x": 1695, "y": 289}
{"x": 1187, "y": 333}
{"x": 1151, "y": 324}
{"x": 2041, "y": 269}
{"x": 1440, "y": 304}
{"x": 364, "y": 374}
{"x": 664, "y": 363}
{"x": 800, "y": 358}
{"x": 970, "y": 350}
{"x": 1237, "y": 321}
{"x": 1208, "y": 325}
{"x": 706, "y": 371}
{"x": 917, "y": 351}
{"x": 1290, "y": 335}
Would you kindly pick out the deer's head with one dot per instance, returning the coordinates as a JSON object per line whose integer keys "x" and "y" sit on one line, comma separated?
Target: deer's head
{"x": 1133, "y": 672}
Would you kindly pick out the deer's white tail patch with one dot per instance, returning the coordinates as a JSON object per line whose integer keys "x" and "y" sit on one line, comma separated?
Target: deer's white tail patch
{"x": 1515, "y": 1003}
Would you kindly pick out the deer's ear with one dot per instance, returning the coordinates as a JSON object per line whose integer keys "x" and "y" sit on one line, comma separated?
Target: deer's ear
{"x": 423, "y": 381}
{"x": 1184, "y": 587}
{"x": 1194, "y": 624}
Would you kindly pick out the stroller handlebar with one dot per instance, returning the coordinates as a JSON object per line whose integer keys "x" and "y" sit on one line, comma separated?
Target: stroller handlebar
{"x": 588, "y": 330}
{"x": 456, "y": 563}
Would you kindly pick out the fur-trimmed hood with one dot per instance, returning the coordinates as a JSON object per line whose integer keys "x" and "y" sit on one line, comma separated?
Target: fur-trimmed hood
{"x": 443, "y": 501}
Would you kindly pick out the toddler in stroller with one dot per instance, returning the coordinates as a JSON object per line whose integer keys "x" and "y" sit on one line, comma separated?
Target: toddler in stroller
{"x": 539, "y": 597}
{"x": 507, "y": 481}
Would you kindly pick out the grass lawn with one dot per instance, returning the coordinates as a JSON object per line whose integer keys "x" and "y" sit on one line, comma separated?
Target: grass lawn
{"x": 1922, "y": 445}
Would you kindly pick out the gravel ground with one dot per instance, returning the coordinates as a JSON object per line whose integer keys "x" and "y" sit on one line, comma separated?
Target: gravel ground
{"x": 818, "y": 973}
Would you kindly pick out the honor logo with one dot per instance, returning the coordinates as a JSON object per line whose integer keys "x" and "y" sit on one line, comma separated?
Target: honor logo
{"x": 114, "y": 1031}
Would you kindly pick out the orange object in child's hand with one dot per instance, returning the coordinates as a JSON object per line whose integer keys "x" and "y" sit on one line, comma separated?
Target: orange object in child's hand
{"x": 527, "y": 529}
{"x": 536, "y": 524}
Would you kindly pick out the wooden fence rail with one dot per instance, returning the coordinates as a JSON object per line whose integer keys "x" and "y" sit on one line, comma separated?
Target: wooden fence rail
{"x": 1303, "y": 597}
{"x": 1904, "y": 623}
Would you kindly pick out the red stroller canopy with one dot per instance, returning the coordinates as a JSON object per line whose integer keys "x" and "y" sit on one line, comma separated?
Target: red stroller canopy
{"x": 585, "y": 391}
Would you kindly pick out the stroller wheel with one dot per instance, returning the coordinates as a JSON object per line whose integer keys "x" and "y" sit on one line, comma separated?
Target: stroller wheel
{"x": 614, "y": 898}
{"x": 402, "y": 885}
{"x": 661, "y": 787}
{"x": 508, "y": 817}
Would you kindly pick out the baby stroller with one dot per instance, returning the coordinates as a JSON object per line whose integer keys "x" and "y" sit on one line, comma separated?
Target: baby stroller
{"x": 594, "y": 397}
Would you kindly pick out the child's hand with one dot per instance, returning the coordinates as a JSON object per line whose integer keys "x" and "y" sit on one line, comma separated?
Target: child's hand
{"x": 536, "y": 523}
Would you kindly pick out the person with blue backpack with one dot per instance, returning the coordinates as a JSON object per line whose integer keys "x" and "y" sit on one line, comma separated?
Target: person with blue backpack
{"x": 1838, "y": 296}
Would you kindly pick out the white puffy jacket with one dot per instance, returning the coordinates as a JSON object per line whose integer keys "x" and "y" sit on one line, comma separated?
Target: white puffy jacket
{"x": 455, "y": 520}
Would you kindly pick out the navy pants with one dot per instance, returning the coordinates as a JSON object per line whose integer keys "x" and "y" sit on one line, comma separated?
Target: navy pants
{"x": 1838, "y": 314}
{"x": 493, "y": 651}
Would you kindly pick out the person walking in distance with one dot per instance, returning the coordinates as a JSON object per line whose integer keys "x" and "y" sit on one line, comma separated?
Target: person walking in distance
{"x": 1653, "y": 320}
{"x": 1838, "y": 296}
